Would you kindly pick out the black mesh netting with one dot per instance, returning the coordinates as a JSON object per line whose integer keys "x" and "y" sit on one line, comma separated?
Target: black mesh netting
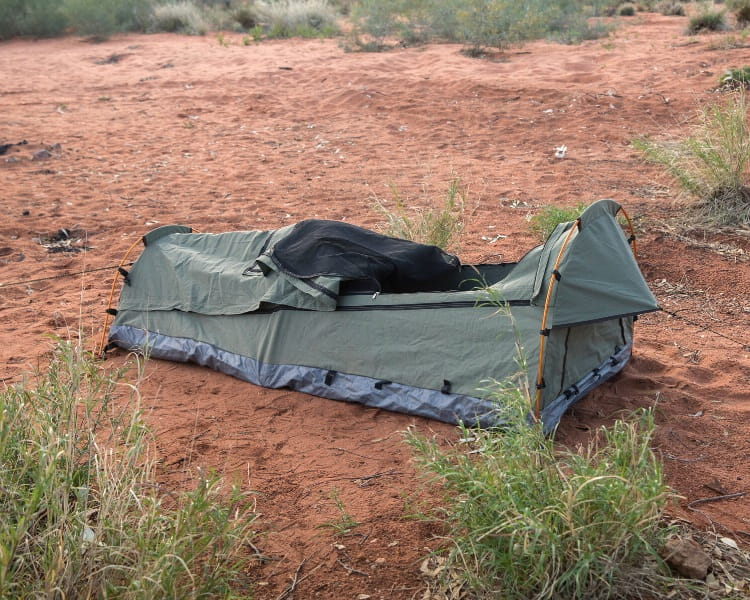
{"x": 378, "y": 262}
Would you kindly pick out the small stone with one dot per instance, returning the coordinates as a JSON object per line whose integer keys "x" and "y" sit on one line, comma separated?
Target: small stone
{"x": 379, "y": 561}
{"x": 363, "y": 597}
{"x": 88, "y": 534}
{"x": 687, "y": 558}
{"x": 42, "y": 154}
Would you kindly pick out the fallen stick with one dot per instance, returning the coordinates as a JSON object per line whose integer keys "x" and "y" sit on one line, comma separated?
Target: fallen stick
{"x": 716, "y": 498}
{"x": 289, "y": 589}
{"x": 350, "y": 570}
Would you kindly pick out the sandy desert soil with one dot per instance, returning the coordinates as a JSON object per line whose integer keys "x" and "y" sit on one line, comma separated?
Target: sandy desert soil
{"x": 149, "y": 130}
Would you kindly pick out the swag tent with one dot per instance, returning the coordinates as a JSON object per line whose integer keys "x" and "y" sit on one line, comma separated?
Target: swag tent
{"x": 337, "y": 311}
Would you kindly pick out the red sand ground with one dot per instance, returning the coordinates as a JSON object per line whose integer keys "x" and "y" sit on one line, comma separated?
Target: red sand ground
{"x": 164, "y": 129}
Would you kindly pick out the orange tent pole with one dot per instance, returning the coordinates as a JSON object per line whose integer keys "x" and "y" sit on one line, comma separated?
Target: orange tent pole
{"x": 632, "y": 231}
{"x": 102, "y": 341}
{"x": 544, "y": 332}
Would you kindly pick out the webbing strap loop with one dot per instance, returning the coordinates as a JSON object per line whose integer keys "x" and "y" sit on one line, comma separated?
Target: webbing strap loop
{"x": 125, "y": 275}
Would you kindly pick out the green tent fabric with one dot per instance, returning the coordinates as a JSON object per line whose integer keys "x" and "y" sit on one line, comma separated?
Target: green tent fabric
{"x": 599, "y": 277}
{"x": 227, "y": 302}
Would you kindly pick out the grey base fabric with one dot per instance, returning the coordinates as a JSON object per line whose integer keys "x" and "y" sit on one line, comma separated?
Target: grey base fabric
{"x": 554, "y": 411}
{"x": 387, "y": 395}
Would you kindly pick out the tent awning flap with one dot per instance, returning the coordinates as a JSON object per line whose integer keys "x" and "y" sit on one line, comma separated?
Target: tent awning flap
{"x": 600, "y": 277}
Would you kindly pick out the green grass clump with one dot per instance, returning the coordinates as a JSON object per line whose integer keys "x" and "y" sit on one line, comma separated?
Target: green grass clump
{"x": 544, "y": 222}
{"x": 179, "y": 17}
{"x": 297, "y": 18}
{"x": 525, "y": 520}
{"x": 707, "y": 20}
{"x": 672, "y": 8}
{"x": 82, "y": 516}
{"x": 627, "y": 10}
{"x": 343, "y": 523}
{"x": 441, "y": 227}
{"x": 736, "y": 77}
{"x": 711, "y": 164}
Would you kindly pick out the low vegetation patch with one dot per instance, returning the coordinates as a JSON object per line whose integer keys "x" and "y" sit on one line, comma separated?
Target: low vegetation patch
{"x": 708, "y": 19}
{"x": 711, "y": 163}
{"x": 672, "y": 8}
{"x": 526, "y": 520}
{"x": 297, "y": 18}
{"x": 475, "y": 23}
{"x": 44, "y": 18}
{"x": 178, "y": 17}
{"x": 82, "y": 513}
{"x": 375, "y": 24}
{"x": 734, "y": 78}
{"x": 741, "y": 11}
{"x": 441, "y": 227}
{"x": 544, "y": 222}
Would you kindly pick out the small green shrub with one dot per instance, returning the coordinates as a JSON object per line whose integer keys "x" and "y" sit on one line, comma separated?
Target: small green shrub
{"x": 605, "y": 9}
{"x": 297, "y": 18}
{"x": 44, "y": 18}
{"x": 671, "y": 8}
{"x": 525, "y": 520}
{"x": 82, "y": 513}
{"x": 246, "y": 17}
{"x": 256, "y": 33}
{"x": 544, "y": 222}
{"x": 440, "y": 227}
{"x": 104, "y": 17}
{"x": 711, "y": 163}
{"x": 179, "y": 17}
{"x": 707, "y": 20}
{"x": 39, "y": 18}
{"x": 626, "y": 10}
{"x": 741, "y": 10}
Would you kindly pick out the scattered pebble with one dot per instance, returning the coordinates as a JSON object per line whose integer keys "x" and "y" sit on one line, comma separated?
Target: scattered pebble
{"x": 42, "y": 154}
